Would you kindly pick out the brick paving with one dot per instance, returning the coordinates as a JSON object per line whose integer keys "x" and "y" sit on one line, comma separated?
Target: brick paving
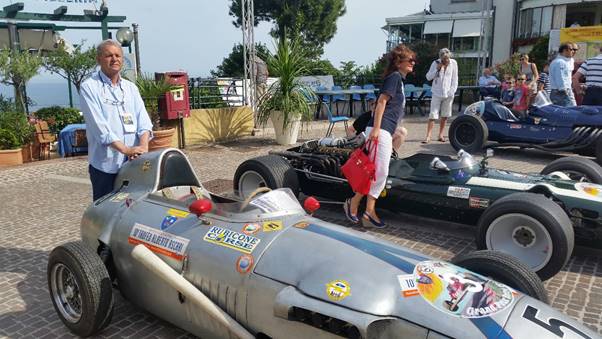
{"x": 39, "y": 211}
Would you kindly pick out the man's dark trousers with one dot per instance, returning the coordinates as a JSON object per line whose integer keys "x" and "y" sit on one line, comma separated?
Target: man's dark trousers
{"x": 593, "y": 96}
{"x": 102, "y": 182}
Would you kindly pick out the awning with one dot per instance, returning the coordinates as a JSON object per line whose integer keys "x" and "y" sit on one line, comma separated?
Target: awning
{"x": 467, "y": 28}
{"x": 441, "y": 26}
{"x": 32, "y": 39}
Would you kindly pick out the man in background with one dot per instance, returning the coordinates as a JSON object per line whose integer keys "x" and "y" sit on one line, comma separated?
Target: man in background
{"x": 444, "y": 74}
{"x": 591, "y": 70}
{"x": 489, "y": 85}
{"x": 561, "y": 76}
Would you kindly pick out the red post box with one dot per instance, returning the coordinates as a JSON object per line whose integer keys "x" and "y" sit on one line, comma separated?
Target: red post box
{"x": 175, "y": 104}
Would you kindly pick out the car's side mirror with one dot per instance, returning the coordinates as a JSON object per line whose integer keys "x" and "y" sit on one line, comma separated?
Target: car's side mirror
{"x": 439, "y": 165}
{"x": 200, "y": 207}
{"x": 311, "y": 205}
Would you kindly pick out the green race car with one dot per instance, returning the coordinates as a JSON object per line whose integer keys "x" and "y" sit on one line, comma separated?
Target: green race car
{"x": 535, "y": 217}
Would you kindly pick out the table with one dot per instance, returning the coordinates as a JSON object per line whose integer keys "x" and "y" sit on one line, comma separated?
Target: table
{"x": 348, "y": 92}
{"x": 67, "y": 140}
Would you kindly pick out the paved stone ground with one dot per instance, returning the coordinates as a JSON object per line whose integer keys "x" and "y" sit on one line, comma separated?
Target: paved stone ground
{"x": 41, "y": 205}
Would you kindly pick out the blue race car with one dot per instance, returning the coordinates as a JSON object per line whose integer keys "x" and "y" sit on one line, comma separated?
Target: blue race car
{"x": 545, "y": 126}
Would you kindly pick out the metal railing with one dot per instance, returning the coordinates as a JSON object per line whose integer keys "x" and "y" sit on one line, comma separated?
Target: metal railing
{"x": 215, "y": 92}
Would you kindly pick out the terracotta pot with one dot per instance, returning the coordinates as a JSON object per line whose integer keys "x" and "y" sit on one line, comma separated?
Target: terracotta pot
{"x": 11, "y": 157}
{"x": 27, "y": 153}
{"x": 161, "y": 139}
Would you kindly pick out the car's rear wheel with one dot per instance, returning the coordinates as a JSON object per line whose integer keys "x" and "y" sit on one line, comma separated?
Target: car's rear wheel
{"x": 270, "y": 171}
{"x": 469, "y": 133}
{"x": 506, "y": 269}
{"x": 80, "y": 288}
{"x": 531, "y": 228}
{"x": 575, "y": 168}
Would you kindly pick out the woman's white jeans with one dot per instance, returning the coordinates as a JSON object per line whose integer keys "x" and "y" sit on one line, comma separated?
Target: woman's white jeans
{"x": 383, "y": 157}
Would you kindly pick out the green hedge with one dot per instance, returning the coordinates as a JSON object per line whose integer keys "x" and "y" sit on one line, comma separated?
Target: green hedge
{"x": 58, "y": 117}
{"x": 8, "y": 139}
{"x": 15, "y": 130}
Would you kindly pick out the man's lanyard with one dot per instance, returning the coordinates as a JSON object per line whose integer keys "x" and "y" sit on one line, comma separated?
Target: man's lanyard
{"x": 115, "y": 101}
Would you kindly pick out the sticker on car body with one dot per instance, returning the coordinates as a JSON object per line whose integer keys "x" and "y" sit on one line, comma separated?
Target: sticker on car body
{"x": 119, "y": 197}
{"x": 458, "y": 192}
{"x": 231, "y": 239}
{"x": 158, "y": 241}
{"x": 409, "y": 285}
{"x": 250, "y": 229}
{"x": 338, "y": 290}
{"x": 475, "y": 202}
{"x": 273, "y": 225}
{"x": 244, "y": 263}
{"x": 459, "y": 292}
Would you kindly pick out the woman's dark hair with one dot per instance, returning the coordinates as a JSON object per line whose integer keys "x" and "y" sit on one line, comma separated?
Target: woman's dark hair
{"x": 395, "y": 56}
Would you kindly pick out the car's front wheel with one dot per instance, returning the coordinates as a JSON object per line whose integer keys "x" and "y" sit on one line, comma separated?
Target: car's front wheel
{"x": 80, "y": 288}
{"x": 469, "y": 133}
{"x": 270, "y": 171}
{"x": 575, "y": 168}
{"x": 531, "y": 228}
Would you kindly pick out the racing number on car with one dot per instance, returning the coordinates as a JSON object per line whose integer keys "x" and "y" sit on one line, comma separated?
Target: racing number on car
{"x": 552, "y": 324}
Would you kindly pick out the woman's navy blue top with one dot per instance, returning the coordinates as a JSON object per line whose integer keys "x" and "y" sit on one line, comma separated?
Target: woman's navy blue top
{"x": 394, "y": 110}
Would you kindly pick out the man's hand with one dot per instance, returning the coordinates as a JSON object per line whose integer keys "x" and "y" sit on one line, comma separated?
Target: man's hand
{"x": 136, "y": 151}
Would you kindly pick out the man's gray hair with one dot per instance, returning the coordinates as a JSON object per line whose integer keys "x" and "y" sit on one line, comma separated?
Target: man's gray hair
{"x": 445, "y": 52}
{"x": 105, "y": 43}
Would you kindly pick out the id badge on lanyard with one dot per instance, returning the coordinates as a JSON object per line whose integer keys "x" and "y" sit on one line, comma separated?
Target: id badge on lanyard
{"x": 128, "y": 122}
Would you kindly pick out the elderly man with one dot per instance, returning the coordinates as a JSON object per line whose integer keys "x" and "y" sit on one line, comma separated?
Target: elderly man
{"x": 591, "y": 70}
{"x": 489, "y": 85}
{"x": 444, "y": 74}
{"x": 561, "y": 76}
{"x": 118, "y": 127}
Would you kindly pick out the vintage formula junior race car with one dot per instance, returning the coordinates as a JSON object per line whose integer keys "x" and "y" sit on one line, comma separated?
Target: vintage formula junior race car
{"x": 546, "y": 127}
{"x": 264, "y": 268}
{"x": 534, "y": 217}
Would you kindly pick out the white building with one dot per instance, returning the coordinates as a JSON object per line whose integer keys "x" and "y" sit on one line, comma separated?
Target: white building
{"x": 485, "y": 32}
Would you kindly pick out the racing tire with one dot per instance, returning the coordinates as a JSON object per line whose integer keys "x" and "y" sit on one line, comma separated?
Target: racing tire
{"x": 576, "y": 168}
{"x": 506, "y": 269}
{"x": 598, "y": 150}
{"x": 80, "y": 288}
{"x": 270, "y": 171}
{"x": 527, "y": 226}
{"x": 468, "y": 132}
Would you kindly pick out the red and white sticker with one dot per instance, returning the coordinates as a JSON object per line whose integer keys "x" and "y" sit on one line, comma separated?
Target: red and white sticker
{"x": 458, "y": 192}
{"x": 475, "y": 202}
{"x": 409, "y": 286}
{"x": 158, "y": 241}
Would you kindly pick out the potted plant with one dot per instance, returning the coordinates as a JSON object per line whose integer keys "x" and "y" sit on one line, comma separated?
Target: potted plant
{"x": 15, "y": 131}
{"x": 151, "y": 90}
{"x": 287, "y": 101}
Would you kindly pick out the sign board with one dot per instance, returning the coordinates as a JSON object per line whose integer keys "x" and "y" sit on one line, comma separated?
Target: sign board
{"x": 588, "y": 38}
{"x": 315, "y": 81}
{"x": 129, "y": 66}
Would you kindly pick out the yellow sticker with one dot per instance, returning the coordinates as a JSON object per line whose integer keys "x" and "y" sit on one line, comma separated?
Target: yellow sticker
{"x": 338, "y": 290}
{"x": 274, "y": 225}
{"x": 302, "y": 224}
{"x": 146, "y": 165}
{"x": 177, "y": 213}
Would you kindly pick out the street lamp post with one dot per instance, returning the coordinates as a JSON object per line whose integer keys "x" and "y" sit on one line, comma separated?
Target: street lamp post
{"x": 137, "y": 49}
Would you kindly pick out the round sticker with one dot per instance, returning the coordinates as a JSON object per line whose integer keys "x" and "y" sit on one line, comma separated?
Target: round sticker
{"x": 338, "y": 290}
{"x": 250, "y": 229}
{"x": 244, "y": 263}
{"x": 459, "y": 292}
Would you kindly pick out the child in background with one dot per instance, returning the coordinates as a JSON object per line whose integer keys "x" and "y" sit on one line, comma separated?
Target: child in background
{"x": 521, "y": 95}
{"x": 508, "y": 91}
{"x": 543, "y": 83}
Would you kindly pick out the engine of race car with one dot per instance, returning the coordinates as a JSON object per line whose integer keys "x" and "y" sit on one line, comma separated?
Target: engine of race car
{"x": 324, "y": 156}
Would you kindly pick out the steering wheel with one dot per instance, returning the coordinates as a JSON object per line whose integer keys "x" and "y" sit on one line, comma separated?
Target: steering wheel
{"x": 252, "y": 195}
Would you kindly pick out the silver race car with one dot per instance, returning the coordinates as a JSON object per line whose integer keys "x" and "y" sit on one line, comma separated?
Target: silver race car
{"x": 265, "y": 268}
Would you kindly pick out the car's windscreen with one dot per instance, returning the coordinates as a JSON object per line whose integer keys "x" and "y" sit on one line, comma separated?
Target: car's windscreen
{"x": 278, "y": 200}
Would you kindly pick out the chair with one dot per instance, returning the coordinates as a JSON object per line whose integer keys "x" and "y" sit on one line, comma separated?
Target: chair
{"x": 78, "y": 141}
{"x": 44, "y": 138}
{"x": 338, "y": 97}
{"x": 333, "y": 120}
{"x": 425, "y": 96}
{"x": 356, "y": 97}
{"x": 411, "y": 99}
{"x": 325, "y": 98}
{"x": 370, "y": 96}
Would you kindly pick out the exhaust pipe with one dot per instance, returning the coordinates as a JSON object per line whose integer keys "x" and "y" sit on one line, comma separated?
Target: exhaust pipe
{"x": 161, "y": 269}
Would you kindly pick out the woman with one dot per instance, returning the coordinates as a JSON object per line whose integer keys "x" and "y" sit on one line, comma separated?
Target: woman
{"x": 389, "y": 110}
{"x": 529, "y": 69}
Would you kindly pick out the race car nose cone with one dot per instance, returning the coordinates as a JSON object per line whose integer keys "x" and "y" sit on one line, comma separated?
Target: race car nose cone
{"x": 311, "y": 205}
{"x": 200, "y": 207}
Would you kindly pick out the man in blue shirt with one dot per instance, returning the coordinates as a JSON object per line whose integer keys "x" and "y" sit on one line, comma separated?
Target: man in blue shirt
{"x": 561, "y": 70}
{"x": 489, "y": 85}
{"x": 118, "y": 127}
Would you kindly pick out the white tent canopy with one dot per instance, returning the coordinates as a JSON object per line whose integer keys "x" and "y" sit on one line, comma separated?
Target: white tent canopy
{"x": 440, "y": 26}
{"x": 467, "y": 28}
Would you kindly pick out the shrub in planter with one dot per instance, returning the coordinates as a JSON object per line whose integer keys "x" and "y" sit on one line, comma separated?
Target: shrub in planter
{"x": 58, "y": 117}
{"x": 8, "y": 140}
{"x": 18, "y": 124}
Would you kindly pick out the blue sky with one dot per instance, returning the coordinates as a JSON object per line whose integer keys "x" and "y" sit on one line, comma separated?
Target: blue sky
{"x": 195, "y": 35}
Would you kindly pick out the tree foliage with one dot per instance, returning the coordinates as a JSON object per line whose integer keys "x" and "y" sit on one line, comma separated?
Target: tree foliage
{"x": 426, "y": 53}
{"x": 539, "y": 53}
{"x": 76, "y": 66}
{"x": 233, "y": 64}
{"x": 313, "y": 21}
{"x": 16, "y": 69}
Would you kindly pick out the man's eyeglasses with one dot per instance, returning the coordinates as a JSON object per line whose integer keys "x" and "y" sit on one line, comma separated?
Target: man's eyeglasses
{"x": 521, "y": 79}
{"x": 574, "y": 49}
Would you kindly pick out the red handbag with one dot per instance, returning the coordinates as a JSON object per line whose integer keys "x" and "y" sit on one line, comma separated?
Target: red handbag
{"x": 360, "y": 168}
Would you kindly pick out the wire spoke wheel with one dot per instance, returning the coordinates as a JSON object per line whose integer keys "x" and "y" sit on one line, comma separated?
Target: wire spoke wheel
{"x": 65, "y": 292}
